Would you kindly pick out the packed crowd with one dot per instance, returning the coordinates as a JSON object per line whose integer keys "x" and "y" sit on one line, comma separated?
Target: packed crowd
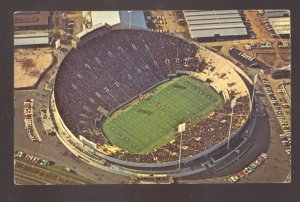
{"x": 104, "y": 73}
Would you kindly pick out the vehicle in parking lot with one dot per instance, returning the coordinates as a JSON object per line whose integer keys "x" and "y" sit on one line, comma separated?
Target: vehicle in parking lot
{"x": 42, "y": 162}
{"x": 240, "y": 175}
{"x": 247, "y": 171}
{"x": 234, "y": 178}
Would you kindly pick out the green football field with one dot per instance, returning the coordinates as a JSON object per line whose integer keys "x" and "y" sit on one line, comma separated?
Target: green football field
{"x": 142, "y": 126}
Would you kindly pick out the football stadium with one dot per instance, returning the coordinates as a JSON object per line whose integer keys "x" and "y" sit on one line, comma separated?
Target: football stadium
{"x": 121, "y": 94}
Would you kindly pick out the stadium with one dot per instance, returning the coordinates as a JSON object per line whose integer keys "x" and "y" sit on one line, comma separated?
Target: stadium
{"x": 121, "y": 94}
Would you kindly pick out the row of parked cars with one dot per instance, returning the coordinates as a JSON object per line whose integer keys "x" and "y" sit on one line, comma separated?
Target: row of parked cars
{"x": 33, "y": 159}
{"x": 267, "y": 44}
{"x": 28, "y": 119}
{"x": 283, "y": 44}
{"x": 286, "y": 135}
{"x": 248, "y": 169}
{"x": 248, "y": 26}
{"x": 159, "y": 30}
{"x": 158, "y": 19}
{"x": 249, "y": 46}
{"x": 248, "y": 60}
{"x": 266, "y": 23}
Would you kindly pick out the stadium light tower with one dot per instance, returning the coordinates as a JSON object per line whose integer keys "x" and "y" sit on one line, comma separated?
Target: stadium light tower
{"x": 233, "y": 104}
{"x": 253, "y": 92}
{"x": 181, "y": 129}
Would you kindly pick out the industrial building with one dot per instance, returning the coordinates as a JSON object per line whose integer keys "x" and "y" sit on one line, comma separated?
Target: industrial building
{"x": 102, "y": 17}
{"x": 277, "y": 13}
{"x": 280, "y": 21}
{"x": 133, "y": 18}
{"x": 31, "y": 19}
{"x": 31, "y": 39}
{"x": 214, "y": 24}
{"x": 123, "y": 18}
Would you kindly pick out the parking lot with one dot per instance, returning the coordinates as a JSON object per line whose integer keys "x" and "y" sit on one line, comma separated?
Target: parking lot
{"x": 167, "y": 21}
{"x": 285, "y": 135}
{"x": 248, "y": 61}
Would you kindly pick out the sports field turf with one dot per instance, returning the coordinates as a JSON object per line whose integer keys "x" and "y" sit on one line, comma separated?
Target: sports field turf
{"x": 142, "y": 126}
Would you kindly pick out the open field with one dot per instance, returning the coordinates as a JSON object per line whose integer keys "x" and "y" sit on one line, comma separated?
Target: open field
{"x": 146, "y": 125}
{"x": 29, "y": 64}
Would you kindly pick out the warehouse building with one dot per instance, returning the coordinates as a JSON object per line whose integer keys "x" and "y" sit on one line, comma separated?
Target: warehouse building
{"x": 123, "y": 18}
{"x": 280, "y": 21}
{"x": 31, "y": 19}
{"x": 37, "y": 39}
{"x": 215, "y": 24}
{"x": 105, "y": 17}
{"x": 277, "y": 13}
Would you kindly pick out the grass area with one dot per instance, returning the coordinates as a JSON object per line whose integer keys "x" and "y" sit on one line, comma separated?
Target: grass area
{"x": 144, "y": 126}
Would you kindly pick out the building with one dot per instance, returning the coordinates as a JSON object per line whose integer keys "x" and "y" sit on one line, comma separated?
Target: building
{"x": 123, "y": 18}
{"x": 277, "y": 13}
{"x": 31, "y": 19}
{"x": 31, "y": 39}
{"x": 214, "y": 24}
{"x": 284, "y": 72}
{"x": 286, "y": 88}
{"x": 133, "y": 18}
{"x": 108, "y": 17}
{"x": 280, "y": 21}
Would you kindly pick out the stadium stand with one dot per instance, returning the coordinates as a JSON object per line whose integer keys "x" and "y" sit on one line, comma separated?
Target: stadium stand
{"x": 116, "y": 66}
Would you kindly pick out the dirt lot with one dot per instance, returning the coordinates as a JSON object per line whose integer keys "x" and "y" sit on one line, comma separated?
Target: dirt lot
{"x": 257, "y": 24}
{"x": 29, "y": 64}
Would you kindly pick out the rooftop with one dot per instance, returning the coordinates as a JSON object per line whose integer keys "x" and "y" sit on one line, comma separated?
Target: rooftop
{"x": 30, "y": 18}
{"x": 212, "y": 23}
{"x": 135, "y": 18}
{"x": 281, "y": 25}
{"x": 287, "y": 87}
{"x": 277, "y": 13}
{"x": 102, "y": 17}
{"x": 31, "y": 39}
